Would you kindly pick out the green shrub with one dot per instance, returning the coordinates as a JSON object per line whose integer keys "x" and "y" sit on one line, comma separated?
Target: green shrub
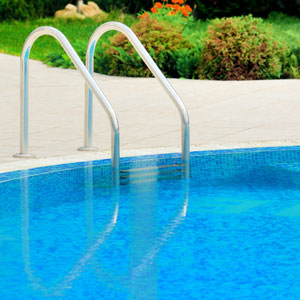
{"x": 286, "y": 29}
{"x": 227, "y": 8}
{"x": 290, "y": 64}
{"x": 164, "y": 42}
{"x": 129, "y": 6}
{"x": 29, "y": 9}
{"x": 241, "y": 48}
{"x": 15, "y": 9}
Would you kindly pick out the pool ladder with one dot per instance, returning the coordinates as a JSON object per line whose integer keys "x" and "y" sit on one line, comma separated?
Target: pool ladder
{"x": 92, "y": 87}
{"x": 153, "y": 173}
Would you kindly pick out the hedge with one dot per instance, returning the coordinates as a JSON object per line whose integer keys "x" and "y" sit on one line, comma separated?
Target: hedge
{"x": 205, "y": 9}
{"x": 31, "y": 9}
{"x": 259, "y": 8}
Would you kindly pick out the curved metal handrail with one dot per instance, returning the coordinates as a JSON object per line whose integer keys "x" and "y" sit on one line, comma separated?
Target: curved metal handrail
{"x": 90, "y": 82}
{"x": 185, "y": 130}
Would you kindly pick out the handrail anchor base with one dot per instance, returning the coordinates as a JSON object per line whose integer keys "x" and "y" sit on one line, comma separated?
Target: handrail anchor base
{"x": 24, "y": 155}
{"x": 86, "y": 148}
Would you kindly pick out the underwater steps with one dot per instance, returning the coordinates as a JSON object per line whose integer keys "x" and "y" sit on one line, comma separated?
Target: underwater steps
{"x": 153, "y": 173}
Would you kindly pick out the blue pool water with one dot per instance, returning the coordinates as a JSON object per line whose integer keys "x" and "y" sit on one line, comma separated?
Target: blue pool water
{"x": 232, "y": 231}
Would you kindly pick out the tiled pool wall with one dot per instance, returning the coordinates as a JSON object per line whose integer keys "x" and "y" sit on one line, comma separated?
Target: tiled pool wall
{"x": 209, "y": 165}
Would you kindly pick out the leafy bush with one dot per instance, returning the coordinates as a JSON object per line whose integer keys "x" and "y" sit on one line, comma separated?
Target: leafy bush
{"x": 164, "y": 42}
{"x": 241, "y": 48}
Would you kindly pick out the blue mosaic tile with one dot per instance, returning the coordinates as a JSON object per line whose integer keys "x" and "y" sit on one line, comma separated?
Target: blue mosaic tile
{"x": 229, "y": 232}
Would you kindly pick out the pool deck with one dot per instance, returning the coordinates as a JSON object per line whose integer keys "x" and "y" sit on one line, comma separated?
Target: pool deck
{"x": 223, "y": 114}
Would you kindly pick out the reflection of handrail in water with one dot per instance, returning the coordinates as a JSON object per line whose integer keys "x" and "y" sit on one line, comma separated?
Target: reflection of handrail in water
{"x": 77, "y": 269}
{"x": 75, "y": 272}
{"x": 145, "y": 262}
{"x": 25, "y": 235}
{"x": 137, "y": 271}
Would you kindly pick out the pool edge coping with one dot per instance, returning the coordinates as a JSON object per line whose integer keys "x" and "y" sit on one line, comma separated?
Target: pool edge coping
{"x": 39, "y": 166}
{"x": 24, "y": 164}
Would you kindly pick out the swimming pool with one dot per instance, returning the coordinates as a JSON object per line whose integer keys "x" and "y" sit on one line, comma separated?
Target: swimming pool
{"x": 231, "y": 231}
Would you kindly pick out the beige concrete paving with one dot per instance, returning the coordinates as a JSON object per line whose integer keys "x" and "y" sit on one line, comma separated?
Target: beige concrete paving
{"x": 222, "y": 114}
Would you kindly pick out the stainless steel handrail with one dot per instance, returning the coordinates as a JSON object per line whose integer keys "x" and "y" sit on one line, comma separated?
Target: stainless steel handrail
{"x": 90, "y": 82}
{"x": 185, "y": 130}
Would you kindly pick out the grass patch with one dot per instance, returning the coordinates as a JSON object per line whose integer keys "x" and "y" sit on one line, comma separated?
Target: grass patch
{"x": 14, "y": 33}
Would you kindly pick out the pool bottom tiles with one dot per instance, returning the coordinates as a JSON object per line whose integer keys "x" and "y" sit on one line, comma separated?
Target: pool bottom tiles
{"x": 231, "y": 231}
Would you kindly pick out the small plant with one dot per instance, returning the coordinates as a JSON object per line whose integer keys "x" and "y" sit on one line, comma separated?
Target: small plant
{"x": 163, "y": 41}
{"x": 170, "y": 9}
{"x": 241, "y": 48}
{"x": 175, "y": 12}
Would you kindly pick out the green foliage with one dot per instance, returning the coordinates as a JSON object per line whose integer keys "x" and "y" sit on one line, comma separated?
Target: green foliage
{"x": 187, "y": 62}
{"x": 13, "y": 34}
{"x": 287, "y": 31}
{"x": 59, "y": 60}
{"x": 128, "y": 6}
{"x": 62, "y": 60}
{"x": 164, "y": 42}
{"x": 29, "y": 9}
{"x": 32, "y": 9}
{"x": 241, "y": 48}
{"x": 208, "y": 9}
{"x": 15, "y": 9}
{"x": 183, "y": 62}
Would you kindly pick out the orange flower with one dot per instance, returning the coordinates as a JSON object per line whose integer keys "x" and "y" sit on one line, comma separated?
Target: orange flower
{"x": 169, "y": 5}
{"x": 185, "y": 13}
{"x": 144, "y": 15}
{"x": 154, "y": 9}
{"x": 174, "y": 1}
{"x": 180, "y": 1}
{"x": 158, "y": 5}
{"x": 172, "y": 12}
{"x": 177, "y": 7}
{"x": 188, "y": 8}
